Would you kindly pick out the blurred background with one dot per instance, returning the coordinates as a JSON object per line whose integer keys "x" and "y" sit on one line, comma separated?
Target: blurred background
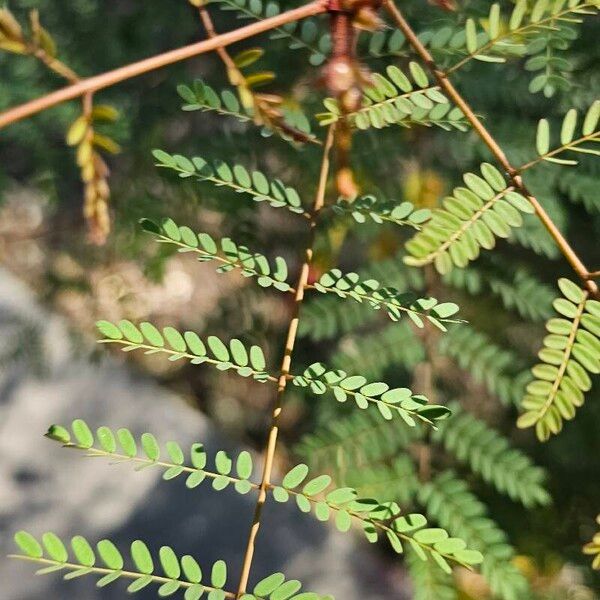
{"x": 54, "y": 285}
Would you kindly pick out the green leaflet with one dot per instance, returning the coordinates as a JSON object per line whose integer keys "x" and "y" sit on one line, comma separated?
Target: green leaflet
{"x": 147, "y": 453}
{"x": 369, "y": 208}
{"x": 246, "y": 362}
{"x": 236, "y": 177}
{"x": 471, "y": 219}
{"x": 182, "y": 573}
{"x": 390, "y": 402}
{"x": 399, "y": 99}
{"x": 396, "y": 304}
{"x": 224, "y": 251}
{"x": 568, "y": 142}
{"x": 343, "y": 506}
{"x": 570, "y": 354}
{"x": 200, "y": 96}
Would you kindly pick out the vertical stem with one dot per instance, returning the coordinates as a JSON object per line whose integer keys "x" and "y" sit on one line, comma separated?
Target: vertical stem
{"x": 491, "y": 143}
{"x": 269, "y": 452}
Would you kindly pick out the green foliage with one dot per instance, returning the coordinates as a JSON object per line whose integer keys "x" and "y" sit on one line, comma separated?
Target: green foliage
{"x": 246, "y": 362}
{"x": 448, "y": 500}
{"x": 399, "y": 100}
{"x": 373, "y": 353}
{"x": 200, "y": 96}
{"x": 517, "y": 288}
{"x": 571, "y": 352}
{"x": 471, "y": 219}
{"x": 367, "y": 208}
{"x": 326, "y": 317}
{"x": 227, "y": 252}
{"x": 237, "y": 178}
{"x": 499, "y": 369}
{"x": 491, "y": 456}
{"x": 537, "y": 30}
{"x": 429, "y": 582}
{"x": 121, "y": 446}
{"x": 390, "y": 402}
{"x": 349, "y": 444}
{"x": 375, "y": 518}
{"x": 568, "y": 141}
{"x": 303, "y": 35}
{"x": 176, "y": 573}
{"x": 418, "y": 310}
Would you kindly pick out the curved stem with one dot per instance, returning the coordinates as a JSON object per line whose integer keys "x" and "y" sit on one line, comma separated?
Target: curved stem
{"x": 269, "y": 453}
{"x": 493, "y": 146}
{"x": 98, "y": 82}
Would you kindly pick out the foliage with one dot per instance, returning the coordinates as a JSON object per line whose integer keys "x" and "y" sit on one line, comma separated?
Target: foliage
{"x": 471, "y": 219}
{"x": 178, "y": 573}
{"x": 571, "y": 352}
{"x": 399, "y": 464}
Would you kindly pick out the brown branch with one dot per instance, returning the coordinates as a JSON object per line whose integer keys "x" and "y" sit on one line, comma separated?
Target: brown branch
{"x": 491, "y": 143}
{"x": 285, "y": 366}
{"x": 98, "y": 82}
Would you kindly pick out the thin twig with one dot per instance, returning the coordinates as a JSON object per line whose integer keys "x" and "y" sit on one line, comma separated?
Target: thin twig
{"x": 491, "y": 143}
{"x": 98, "y": 82}
{"x": 285, "y": 365}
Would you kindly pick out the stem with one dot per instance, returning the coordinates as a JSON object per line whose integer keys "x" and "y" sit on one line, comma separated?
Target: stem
{"x": 285, "y": 366}
{"x": 98, "y": 82}
{"x": 491, "y": 143}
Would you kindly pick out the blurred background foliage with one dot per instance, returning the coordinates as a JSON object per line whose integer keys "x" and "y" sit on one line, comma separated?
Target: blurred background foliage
{"x": 505, "y": 296}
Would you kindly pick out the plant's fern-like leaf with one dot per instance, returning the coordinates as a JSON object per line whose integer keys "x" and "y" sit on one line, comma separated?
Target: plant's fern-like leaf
{"x": 491, "y": 455}
{"x": 368, "y": 208}
{"x": 428, "y": 582}
{"x": 518, "y": 288}
{"x": 200, "y": 96}
{"x": 122, "y": 447}
{"x": 393, "y": 302}
{"x": 354, "y": 442}
{"x": 590, "y": 134}
{"x": 397, "y": 99}
{"x": 582, "y": 188}
{"x": 176, "y": 574}
{"x": 496, "y": 42}
{"x": 391, "y": 402}
{"x": 246, "y": 362}
{"x": 470, "y": 219}
{"x": 344, "y": 506}
{"x": 326, "y": 317}
{"x": 238, "y": 178}
{"x": 593, "y": 548}
{"x": 571, "y": 352}
{"x": 394, "y": 481}
{"x": 489, "y": 364}
{"x": 372, "y": 354}
{"x": 305, "y": 35}
{"x": 225, "y": 251}
{"x": 441, "y": 41}
{"x": 448, "y": 500}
